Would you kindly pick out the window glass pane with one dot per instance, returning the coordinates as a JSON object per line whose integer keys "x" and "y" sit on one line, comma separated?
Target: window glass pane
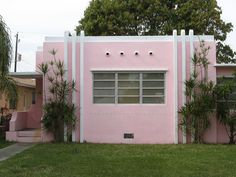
{"x": 147, "y": 76}
{"x": 128, "y": 84}
{"x": 102, "y": 76}
{"x": 104, "y": 100}
{"x": 221, "y": 80}
{"x": 153, "y": 99}
{"x": 128, "y": 76}
{"x": 153, "y": 83}
{"x": 153, "y": 91}
{"x": 232, "y": 97}
{"x": 128, "y": 92}
{"x": 104, "y": 83}
{"x": 104, "y": 92}
{"x": 128, "y": 100}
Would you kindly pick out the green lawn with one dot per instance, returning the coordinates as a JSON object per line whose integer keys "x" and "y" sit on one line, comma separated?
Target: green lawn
{"x": 3, "y": 144}
{"x": 99, "y": 160}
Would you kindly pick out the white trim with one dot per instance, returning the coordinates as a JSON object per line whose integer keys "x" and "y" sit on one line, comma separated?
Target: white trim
{"x": 81, "y": 86}
{"x": 66, "y": 34}
{"x": 183, "y": 77}
{"x": 142, "y": 38}
{"x": 129, "y": 69}
{"x": 175, "y": 76}
{"x": 130, "y": 38}
{"x": 191, "y": 35}
{"x": 30, "y": 75}
{"x": 225, "y": 65}
{"x": 74, "y": 78}
{"x": 125, "y": 38}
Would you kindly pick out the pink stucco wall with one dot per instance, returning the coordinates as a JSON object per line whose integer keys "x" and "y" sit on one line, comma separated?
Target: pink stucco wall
{"x": 35, "y": 112}
{"x": 107, "y": 123}
{"x": 150, "y": 123}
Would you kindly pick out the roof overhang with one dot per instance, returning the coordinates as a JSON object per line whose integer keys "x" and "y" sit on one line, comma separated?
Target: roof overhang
{"x": 26, "y": 75}
{"x": 225, "y": 65}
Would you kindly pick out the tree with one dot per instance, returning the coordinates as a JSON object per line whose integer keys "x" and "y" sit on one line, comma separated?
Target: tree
{"x": 58, "y": 109}
{"x": 200, "y": 97}
{"x": 7, "y": 84}
{"x": 226, "y": 106}
{"x": 157, "y": 17}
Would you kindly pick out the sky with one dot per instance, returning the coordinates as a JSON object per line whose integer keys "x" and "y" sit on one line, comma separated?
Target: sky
{"x": 35, "y": 19}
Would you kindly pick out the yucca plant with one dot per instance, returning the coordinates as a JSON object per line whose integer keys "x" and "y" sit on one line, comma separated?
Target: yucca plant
{"x": 200, "y": 103}
{"x": 226, "y": 106}
{"x": 58, "y": 109}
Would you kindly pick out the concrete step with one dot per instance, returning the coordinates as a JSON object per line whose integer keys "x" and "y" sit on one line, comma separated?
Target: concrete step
{"x": 29, "y": 139}
{"x": 29, "y": 133}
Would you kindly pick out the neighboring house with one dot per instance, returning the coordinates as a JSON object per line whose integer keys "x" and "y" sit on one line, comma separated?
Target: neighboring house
{"x": 26, "y": 96}
{"x": 130, "y": 88}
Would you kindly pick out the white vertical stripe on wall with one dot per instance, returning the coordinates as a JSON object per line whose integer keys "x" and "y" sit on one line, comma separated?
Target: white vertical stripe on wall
{"x": 74, "y": 78}
{"x": 183, "y": 40}
{"x": 175, "y": 76}
{"x": 191, "y": 33}
{"x": 191, "y": 49}
{"x": 81, "y": 86}
{"x": 66, "y": 36}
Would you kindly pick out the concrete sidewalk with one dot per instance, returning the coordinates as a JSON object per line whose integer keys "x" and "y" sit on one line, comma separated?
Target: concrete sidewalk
{"x": 14, "y": 149}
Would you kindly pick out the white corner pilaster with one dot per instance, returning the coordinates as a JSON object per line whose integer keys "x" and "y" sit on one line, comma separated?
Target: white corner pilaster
{"x": 175, "y": 76}
{"x": 74, "y": 101}
{"x": 191, "y": 36}
{"x": 66, "y": 36}
{"x": 183, "y": 41}
{"x": 81, "y": 86}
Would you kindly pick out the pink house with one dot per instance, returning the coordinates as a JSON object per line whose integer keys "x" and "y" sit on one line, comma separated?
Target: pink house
{"x": 129, "y": 88}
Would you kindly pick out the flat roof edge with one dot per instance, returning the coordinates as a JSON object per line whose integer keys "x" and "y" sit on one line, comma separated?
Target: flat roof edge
{"x": 209, "y": 38}
{"x": 225, "y": 65}
{"x": 25, "y": 74}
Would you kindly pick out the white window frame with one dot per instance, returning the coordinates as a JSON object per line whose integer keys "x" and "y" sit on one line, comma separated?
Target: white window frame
{"x": 141, "y": 88}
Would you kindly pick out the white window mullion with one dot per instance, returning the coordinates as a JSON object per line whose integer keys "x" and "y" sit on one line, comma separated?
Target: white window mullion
{"x": 116, "y": 88}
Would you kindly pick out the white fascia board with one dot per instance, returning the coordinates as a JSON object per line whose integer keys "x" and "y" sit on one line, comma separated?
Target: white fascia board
{"x": 129, "y": 69}
{"x": 126, "y": 38}
{"x": 25, "y": 74}
{"x": 129, "y": 38}
{"x": 225, "y": 65}
{"x": 143, "y": 38}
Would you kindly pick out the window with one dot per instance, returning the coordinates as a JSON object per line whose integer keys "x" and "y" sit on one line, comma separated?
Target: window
{"x": 104, "y": 88}
{"x": 153, "y": 87}
{"x": 129, "y": 87}
{"x": 232, "y": 96}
